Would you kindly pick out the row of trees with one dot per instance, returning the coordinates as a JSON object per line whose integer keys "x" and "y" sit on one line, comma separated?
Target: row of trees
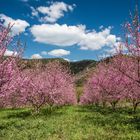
{"x": 111, "y": 82}
{"x": 108, "y": 84}
{"x": 49, "y": 85}
{"x": 120, "y": 78}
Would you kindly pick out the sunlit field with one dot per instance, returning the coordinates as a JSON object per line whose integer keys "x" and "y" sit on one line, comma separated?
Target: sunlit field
{"x": 70, "y": 123}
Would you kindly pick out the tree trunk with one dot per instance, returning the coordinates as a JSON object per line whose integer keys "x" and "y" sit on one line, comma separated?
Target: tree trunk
{"x": 135, "y": 105}
{"x": 113, "y": 104}
{"x": 96, "y": 104}
{"x": 36, "y": 110}
{"x": 104, "y": 104}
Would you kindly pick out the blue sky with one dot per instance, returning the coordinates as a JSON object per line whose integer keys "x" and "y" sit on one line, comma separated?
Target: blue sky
{"x": 71, "y": 29}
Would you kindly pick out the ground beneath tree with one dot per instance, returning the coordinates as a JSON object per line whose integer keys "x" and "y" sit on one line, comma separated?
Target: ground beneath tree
{"x": 70, "y": 123}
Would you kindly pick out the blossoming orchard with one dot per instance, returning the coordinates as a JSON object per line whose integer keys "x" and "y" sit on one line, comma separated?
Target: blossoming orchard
{"x": 120, "y": 78}
{"x": 59, "y": 99}
{"x": 53, "y": 85}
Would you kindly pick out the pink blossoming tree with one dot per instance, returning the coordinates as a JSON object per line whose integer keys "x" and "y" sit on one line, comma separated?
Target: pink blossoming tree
{"x": 105, "y": 85}
{"x": 8, "y": 67}
{"x": 129, "y": 64}
{"x": 52, "y": 85}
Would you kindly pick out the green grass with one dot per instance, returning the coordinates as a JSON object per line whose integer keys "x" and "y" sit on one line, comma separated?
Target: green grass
{"x": 70, "y": 123}
{"x": 79, "y": 91}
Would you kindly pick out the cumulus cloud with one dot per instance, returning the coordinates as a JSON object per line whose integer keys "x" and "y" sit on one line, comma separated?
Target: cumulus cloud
{"x": 96, "y": 40}
{"x": 55, "y": 34}
{"x": 64, "y": 35}
{"x": 34, "y": 12}
{"x": 44, "y": 53}
{"x": 104, "y": 55}
{"x": 59, "y": 52}
{"x": 19, "y": 25}
{"x": 118, "y": 46}
{"x": 36, "y": 56}
{"x": 53, "y": 12}
{"x": 67, "y": 59}
{"x": 10, "y": 53}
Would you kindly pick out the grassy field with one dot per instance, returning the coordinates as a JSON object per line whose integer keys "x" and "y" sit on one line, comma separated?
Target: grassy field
{"x": 70, "y": 123}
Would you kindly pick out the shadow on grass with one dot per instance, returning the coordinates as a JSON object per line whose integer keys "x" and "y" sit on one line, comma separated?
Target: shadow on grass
{"x": 55, "y": 111}
{"x": 19, "y": 114}
{"x": 136, "y": 121}
{"x": 23, "y": 114}
{"x": 106, "y": 110}
{"x": 106, "y": 116}
{"x": 2, "y": 127}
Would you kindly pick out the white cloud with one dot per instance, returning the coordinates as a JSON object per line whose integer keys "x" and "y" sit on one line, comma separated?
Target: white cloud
{"x": 54, "y": 11}
{"x": 10, "y": 53}
{"x": 64, "y": 35}
{"x": 67, "y": 59}
{"x": 34, "y": 12}
{"x": 104, "y": 55}
{"x": 101, "y": 27}
{"x": 44, "y": 53}
{"x": 96, "y": 40}
{"x": 118, "y": 46}
{"x": 74, "y": 60}
{"x": 36, "y": 56}
{"x": 55, "y": 34}
{"x": 59, "y": 52}
{"x": 19, "y": 25}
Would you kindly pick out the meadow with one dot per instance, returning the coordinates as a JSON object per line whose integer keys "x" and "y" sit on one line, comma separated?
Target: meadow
{"x": 70, "y": 123}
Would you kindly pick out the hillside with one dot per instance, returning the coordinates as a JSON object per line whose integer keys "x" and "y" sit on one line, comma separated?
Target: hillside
{"x": 75, "y": 67}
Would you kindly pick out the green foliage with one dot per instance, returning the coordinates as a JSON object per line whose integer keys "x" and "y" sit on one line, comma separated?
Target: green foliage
{"x": 79, "y": 92}
{"x": 70, "y": 123}
{"x": 79, "y": 66}
{"x": 75, "y": 67}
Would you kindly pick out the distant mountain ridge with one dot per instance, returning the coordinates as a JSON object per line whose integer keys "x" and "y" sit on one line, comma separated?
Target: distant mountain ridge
{"x": 80, "y": 69}
{"x": 75, "y": 67}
